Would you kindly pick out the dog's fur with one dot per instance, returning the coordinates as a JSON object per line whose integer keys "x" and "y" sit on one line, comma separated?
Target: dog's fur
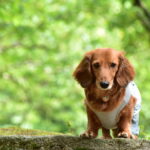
{"x": 109, "y": 65}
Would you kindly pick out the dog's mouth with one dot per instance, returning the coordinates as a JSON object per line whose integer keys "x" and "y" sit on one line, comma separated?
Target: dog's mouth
{"x": 104, "y": 85}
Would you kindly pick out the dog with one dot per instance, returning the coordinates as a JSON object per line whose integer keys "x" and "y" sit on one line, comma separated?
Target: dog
{"x": 112, "y": 100}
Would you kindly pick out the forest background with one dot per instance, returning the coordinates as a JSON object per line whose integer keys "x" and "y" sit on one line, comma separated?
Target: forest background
{"x": 41, "y": 43}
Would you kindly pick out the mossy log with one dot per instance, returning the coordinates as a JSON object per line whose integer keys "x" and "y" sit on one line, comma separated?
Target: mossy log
{"x": 64, "y": 142}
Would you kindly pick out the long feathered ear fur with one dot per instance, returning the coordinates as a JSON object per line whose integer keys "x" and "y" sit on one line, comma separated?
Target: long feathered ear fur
{"x": 83, "y": 73}
{"x": 125, "y": 72}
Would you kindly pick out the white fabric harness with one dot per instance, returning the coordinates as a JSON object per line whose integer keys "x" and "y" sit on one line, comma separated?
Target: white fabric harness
{"x": 109, "y": 119}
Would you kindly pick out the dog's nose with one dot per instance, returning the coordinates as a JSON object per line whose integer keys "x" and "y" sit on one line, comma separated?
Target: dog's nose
{"x": 104, "y": 84}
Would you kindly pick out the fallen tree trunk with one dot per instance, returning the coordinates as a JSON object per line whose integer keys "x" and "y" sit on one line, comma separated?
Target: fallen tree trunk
{"x": 63, "y": 142}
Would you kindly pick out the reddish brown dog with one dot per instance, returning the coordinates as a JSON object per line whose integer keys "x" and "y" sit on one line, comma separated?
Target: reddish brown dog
{"x": 104, "y": 74}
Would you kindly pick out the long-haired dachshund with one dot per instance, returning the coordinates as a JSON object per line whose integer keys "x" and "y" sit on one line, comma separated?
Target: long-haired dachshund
{"x": 112, "y": 98}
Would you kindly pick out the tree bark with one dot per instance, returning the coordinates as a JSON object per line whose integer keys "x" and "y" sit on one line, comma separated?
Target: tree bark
{"x": 144, "y": 15}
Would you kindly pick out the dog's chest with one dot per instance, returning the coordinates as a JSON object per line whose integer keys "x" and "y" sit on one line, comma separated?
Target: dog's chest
{"x": 109, "y": 119}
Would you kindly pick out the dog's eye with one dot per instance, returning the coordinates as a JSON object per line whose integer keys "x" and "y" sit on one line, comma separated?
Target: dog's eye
{"x": 112, "y": 65}
{"x": 96, "y": 65}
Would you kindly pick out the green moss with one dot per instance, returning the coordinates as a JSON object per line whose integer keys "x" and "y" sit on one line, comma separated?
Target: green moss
{"x": 21, "y": 131}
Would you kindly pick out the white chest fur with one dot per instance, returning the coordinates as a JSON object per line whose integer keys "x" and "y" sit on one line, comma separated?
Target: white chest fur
{"x": 109, "y": 119}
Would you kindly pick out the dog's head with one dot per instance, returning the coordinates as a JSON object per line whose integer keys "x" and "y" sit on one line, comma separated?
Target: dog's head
{"x": 104, "y": 67}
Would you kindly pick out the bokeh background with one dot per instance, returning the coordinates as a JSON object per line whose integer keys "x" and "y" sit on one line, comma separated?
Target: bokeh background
{"x": 42, "y": 41}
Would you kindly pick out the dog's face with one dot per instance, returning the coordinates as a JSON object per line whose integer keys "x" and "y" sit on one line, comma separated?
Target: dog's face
{"x": 103, "y": 67}
{"x": 105, "y": 63}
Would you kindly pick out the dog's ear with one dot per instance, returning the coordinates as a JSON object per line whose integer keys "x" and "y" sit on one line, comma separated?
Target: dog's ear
{"x": 125, "y": 72}
{"x": 83, "y": 73}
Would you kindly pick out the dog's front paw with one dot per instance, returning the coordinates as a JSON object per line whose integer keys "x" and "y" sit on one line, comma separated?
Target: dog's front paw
{"x": 88, "y": 134}
{"x": 123, "y": 134}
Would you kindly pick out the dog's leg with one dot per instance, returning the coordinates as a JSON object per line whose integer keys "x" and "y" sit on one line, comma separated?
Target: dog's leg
{"x": 92, "y": 126}
{"x": 124, "y": 125}
{"x": 106, "y": 133}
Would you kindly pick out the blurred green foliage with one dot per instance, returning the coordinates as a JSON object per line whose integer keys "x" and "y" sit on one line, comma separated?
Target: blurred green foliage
{"x": 42, "y": 41}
